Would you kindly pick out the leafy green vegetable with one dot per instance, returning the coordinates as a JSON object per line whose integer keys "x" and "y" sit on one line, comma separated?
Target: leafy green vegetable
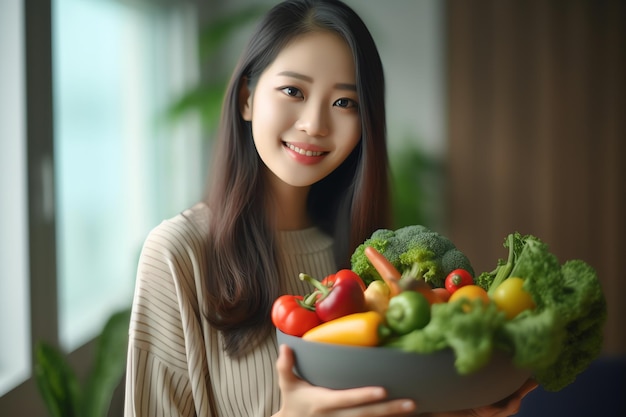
{"x": 580, "y": 303}
{"x": 535, "y": 339}
{"x": 468, "y": 327}
{"x": 564, "y": 333}
{"x": 556, "y": 340}
{"x": 434, "y": 254}
{"x": 490, "y": 280}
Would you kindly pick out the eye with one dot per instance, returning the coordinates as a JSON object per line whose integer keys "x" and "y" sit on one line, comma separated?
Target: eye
{"x": 346, "y": 103}
{"x": 292, "y": 92}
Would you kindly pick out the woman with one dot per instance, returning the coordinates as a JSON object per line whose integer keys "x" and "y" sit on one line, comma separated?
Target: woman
{"x": 300, "y": 179}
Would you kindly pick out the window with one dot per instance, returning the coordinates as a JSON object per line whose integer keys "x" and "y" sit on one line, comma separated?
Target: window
{"x": 119, "y": 168}
{"x": 14, "y": 287}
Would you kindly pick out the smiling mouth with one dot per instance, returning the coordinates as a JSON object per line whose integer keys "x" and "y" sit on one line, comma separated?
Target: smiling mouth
{"x": 303, "y": 152}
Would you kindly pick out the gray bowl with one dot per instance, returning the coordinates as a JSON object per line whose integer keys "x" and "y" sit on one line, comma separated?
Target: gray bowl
{"x": 430, "y": 380}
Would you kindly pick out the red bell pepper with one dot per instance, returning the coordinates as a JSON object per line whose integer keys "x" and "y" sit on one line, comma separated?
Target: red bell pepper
{"x": 295, "y": 315}
{"x": 345, "y": 295}
{"x": 341, "y": 275}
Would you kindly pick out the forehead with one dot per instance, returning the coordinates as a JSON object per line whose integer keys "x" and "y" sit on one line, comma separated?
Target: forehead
{"x": 321, "y": 53}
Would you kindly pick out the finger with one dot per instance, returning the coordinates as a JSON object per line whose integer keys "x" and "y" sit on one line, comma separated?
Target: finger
{"x": 354, "y": 396}
{"x": 395, "y": 408}
{"x": 365, "y": 402}
{"x": 528, "y": 386}
{"x": 509, "y": 405}
{"x": 513, "y": 403}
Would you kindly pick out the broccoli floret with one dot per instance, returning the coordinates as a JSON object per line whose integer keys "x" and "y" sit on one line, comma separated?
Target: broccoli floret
{"x": 485, "y": 279}
{"x": 434, "y": 254}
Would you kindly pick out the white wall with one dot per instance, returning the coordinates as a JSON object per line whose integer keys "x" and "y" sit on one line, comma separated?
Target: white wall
{"x": 409, "y": 35}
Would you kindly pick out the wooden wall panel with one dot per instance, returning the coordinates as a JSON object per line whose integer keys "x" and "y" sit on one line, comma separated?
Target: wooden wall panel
{"x": 536, "y": 96}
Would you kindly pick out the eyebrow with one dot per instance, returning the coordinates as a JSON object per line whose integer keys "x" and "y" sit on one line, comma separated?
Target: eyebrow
{"x": 340, "y": 86}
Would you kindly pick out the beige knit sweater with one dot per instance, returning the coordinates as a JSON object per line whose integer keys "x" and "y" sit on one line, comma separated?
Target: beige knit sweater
{"x": 176, "y": 364}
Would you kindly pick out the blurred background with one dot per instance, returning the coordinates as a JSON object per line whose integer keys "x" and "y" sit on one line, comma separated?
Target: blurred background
{"x": 502, "y": 116}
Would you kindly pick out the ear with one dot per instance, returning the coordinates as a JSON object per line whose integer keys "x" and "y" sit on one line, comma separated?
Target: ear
{"x": 245, "y": 100}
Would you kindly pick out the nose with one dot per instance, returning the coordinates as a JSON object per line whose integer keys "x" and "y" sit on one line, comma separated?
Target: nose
{"x": 314, "y": 120}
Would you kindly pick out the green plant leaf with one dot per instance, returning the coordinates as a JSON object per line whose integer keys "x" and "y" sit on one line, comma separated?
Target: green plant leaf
{"x": 414, "y": 174}
{"x": 205, "y": 99}
{"x": 109, "y": 366}
{"x": 56, "y": 381}
{"x": 213, "y": 34}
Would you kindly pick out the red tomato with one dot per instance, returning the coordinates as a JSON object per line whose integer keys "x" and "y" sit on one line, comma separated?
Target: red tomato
{"x": 457, "y": 279}
{"x": 291, "y": 315}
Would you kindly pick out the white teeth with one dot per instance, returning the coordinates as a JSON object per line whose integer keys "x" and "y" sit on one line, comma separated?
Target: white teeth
{"x": 303, "y": 151}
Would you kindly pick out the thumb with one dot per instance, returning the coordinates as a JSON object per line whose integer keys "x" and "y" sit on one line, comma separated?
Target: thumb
{"x": 285, "y": 364}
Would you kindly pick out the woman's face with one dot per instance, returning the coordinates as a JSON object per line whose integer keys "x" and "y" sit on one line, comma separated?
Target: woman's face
{"x": 304, "y": 109}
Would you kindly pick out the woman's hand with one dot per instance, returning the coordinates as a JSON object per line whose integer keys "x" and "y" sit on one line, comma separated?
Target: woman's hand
{"x": 301, "y": 399}
{"x": 505, "y": 408}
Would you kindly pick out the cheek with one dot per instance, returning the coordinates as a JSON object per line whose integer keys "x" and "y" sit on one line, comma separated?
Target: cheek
{"x": 269, "y": 118}
{"x": 351, "y": 134}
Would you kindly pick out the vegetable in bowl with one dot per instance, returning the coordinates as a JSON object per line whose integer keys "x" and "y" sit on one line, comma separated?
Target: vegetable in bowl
{"x": 563, "y": 334}
{"x": 434, "y": 255}
{"x": 530, "y": 317}
{"x": 556, "y": 335}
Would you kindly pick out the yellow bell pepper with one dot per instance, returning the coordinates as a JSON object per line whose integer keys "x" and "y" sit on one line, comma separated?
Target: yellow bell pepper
{"x": 377, "y": 297}
{"x": 358, "y": 329}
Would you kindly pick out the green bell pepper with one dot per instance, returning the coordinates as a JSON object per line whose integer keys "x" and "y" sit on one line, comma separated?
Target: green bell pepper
{"x": 407, "y": 311}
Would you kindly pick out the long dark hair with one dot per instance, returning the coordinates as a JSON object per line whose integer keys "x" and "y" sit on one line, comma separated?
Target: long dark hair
{"x": 349, "y": 204}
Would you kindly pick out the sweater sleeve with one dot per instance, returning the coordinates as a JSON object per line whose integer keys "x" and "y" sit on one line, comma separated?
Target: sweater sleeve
{"x": 164, "y": 332}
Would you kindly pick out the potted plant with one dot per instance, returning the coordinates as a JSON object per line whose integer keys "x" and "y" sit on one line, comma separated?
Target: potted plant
{"x": 63, "y": 394}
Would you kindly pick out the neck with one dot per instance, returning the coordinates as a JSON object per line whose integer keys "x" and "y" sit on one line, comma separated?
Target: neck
{"x": 288, "y": 205}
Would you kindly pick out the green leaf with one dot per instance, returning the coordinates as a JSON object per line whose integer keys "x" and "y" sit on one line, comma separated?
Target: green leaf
{"x": 415, "y": 177}
{"x": 215, "y": 33}
{"x": 109, "y": 366}
{"x": 205, "y": 99}
{"x": 56, "y": 381}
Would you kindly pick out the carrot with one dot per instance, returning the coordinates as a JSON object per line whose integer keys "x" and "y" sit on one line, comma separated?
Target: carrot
{"x": 387, "y": 271}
